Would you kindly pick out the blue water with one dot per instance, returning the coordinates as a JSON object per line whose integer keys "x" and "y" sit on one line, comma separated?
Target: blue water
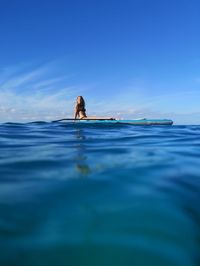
{"x": 99, "y": 194}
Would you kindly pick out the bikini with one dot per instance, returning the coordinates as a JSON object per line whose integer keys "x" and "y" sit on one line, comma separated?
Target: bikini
{"x": 82, "y": 109}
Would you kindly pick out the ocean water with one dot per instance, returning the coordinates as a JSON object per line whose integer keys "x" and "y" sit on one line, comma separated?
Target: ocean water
{"x": 99, "y": 194}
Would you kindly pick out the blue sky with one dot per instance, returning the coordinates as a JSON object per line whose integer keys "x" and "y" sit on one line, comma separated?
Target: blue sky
{"x": 129, "y": 59}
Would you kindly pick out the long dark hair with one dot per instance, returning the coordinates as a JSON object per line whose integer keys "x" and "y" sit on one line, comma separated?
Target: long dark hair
{"x": 82, "y": 102}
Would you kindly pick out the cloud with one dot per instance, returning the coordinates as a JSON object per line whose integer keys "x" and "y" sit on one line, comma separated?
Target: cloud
{"x": 20, "y": 80}
{"x": 29, "y": 93}
{"x": 35, "y": 94}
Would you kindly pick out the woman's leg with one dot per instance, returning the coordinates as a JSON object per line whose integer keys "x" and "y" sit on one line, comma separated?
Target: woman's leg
{"x": 97, "y": 118}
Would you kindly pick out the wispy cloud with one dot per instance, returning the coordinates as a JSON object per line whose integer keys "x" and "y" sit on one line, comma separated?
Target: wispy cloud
{"x": 136, "y": 102}
{"x": 29, "y": 93}
{"x": 21, "y": 80}
{"x": 35, "y": 94}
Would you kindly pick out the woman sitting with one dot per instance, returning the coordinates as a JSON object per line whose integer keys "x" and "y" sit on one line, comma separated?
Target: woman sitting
{"x": 80, "y": 111}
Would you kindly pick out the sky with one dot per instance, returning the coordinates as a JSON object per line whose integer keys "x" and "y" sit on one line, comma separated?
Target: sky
{"x": 127, "y": 58}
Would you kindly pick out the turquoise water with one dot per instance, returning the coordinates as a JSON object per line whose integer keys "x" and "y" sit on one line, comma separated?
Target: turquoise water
{"x": 99, "y": 194}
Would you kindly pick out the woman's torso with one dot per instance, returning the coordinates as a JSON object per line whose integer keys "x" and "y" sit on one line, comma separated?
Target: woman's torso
{"x": 81, "y": 111}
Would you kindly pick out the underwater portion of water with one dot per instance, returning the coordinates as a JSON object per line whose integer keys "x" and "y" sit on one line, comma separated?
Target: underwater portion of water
{"x": 99, "y": 194}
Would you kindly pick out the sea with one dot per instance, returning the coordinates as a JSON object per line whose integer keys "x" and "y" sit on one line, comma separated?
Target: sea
{"x": 99, "y": 194}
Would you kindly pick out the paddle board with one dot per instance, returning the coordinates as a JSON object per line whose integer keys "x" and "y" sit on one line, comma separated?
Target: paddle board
{"x": 142, "y": 121}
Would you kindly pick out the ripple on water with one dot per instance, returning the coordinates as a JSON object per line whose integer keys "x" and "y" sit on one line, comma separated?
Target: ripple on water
{"x": 99, "y": 194}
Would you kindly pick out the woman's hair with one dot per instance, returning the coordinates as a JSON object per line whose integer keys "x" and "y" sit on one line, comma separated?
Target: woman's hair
{"x": 82, "y": 102}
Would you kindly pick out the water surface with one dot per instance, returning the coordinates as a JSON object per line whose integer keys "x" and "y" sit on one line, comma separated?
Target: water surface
{"x": 99, "y": 194}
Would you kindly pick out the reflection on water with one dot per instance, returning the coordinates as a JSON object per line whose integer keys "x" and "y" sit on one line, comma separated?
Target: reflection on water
{"x": 138, "y": 203}
{"x": 81, "y": 158}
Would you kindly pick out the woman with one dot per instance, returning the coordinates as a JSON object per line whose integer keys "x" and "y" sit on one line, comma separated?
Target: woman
{"x": 80, "y": 111}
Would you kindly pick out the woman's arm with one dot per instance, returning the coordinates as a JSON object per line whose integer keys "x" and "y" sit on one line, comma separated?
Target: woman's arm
{"x": 76, "y": 112}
